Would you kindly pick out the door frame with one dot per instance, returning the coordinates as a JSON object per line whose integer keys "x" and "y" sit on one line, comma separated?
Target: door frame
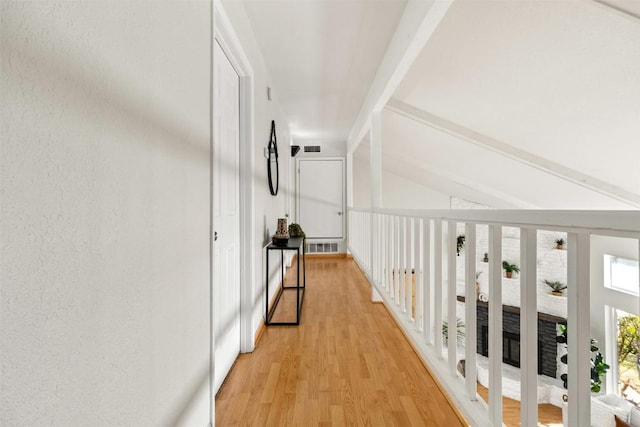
{"x": 344, "y": 191}
{"x": 232, "y": 48}
{"x": 223, "y": 34}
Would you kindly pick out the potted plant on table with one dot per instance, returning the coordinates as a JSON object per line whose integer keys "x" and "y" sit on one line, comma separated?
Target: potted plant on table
{"x": 560, "y": 243}
{"x": 509, "y": 269}
{"x": 556, "y": 287}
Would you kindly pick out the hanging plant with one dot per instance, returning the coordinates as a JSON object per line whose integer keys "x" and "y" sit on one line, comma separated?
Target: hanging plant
{"x": 459, "y": 243}
{"x": 598, "y": 366}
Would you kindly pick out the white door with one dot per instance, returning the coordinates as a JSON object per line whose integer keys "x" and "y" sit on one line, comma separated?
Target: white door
{"x": 321, "y": 197}
{"x": 226, "y": 216}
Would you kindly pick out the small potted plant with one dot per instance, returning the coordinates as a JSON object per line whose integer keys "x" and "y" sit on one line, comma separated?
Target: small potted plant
{"x": 509, "y": 269}
{"x": 556, "y": 287}
{"x": 560, "y": 243}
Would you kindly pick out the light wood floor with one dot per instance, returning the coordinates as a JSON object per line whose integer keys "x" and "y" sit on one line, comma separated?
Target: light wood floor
{"x": 548, "y": 415}
{"x": 346, "y": 364}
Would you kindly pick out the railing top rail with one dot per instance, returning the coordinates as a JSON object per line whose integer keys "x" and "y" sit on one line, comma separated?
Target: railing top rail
{"x": 626, "y": 223}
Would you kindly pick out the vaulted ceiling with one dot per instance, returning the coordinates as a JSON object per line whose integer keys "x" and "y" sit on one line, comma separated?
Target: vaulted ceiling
{"x": 533, "y": 102}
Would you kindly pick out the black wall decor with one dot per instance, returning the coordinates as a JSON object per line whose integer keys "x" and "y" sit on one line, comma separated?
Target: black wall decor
{"x": 272, "y": 161}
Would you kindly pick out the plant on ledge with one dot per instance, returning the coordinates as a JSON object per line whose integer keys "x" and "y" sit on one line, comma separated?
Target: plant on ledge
{"x": 556, "y": 287}
{"x": 459, "y": 330}
{"x": 559, "y": 243}
{"x": 510, "y": 269}
{"x": 459, "y": 243}
{"x": 598, "y": 366}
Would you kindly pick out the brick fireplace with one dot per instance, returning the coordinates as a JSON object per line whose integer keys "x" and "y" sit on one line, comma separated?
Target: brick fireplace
{"x": 547, "y": 346}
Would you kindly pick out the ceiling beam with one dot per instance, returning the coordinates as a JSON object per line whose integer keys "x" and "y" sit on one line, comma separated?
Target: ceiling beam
{"x": 417, "y": 24}
{"x": 514, "y": 153}
{"x": 619, "y": 10}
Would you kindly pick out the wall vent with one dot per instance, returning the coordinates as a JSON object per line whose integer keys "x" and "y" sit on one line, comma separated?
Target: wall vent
{"x": 311, "y": 148}
{"x": 322, "y": 248}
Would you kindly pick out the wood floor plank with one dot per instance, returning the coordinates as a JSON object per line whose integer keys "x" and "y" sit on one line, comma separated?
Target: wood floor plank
{"x": 346, "y": 364}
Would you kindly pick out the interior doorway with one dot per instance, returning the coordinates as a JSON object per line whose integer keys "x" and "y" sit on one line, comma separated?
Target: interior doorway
{"x": 321, "y": 198}
{"x": 226, "y": 216}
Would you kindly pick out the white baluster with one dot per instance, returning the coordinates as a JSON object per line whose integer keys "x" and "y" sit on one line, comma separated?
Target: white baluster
{"x": 471, "y": 370}
{"x": 495, "y": 325}
{"x": 437, "y": 291}
{"x": 451, "y": 298}
{"x": 578, "y": 329}
{"x": 417, "y": 277}
{"x": 427, "y": 310}
{"x": 528, "y": 327}
{"x": 407, "y": 268}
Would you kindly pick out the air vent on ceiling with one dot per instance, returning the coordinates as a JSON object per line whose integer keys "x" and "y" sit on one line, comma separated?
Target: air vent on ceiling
{"x": 322, "y": 248}
{"x": 311, "y": 148}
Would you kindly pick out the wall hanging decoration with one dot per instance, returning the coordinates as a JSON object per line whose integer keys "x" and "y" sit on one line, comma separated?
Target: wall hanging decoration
{"x": 272, "y": 161}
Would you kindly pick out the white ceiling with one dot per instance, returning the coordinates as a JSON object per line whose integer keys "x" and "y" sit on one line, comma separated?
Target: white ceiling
{"x": 322, "y": 56}
{"x": 555, "y": 85}
{"x": 560, "y": 80}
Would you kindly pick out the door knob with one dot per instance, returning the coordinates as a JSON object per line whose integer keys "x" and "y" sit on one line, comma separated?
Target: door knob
{"x": 339, "y": 213}
{"x": 215, "y": 236}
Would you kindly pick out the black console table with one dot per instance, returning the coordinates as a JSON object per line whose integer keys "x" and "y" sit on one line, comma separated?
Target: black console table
{"x": 294, "y": 244}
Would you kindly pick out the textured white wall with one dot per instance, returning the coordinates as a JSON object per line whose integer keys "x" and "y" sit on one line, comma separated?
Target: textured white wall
{"x": 104, "y": 219}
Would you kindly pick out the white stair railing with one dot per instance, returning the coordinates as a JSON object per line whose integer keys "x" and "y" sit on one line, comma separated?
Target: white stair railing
{"x": 390, "y": 245}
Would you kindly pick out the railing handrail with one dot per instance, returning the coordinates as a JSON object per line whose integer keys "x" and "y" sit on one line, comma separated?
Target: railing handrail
{"x": 619, "y": 223}
{"x": 389, "y": 243}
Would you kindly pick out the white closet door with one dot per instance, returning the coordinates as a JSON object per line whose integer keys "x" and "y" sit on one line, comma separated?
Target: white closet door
{"x": 321, "y": 197}
{"x": 226, "y": 207}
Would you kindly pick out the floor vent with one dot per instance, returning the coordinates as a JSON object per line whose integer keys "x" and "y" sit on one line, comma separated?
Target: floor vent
{"x": 322, "y": 248}
{"x": 311, "y": 148}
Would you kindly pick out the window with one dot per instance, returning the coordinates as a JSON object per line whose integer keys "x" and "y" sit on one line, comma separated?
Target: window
{"x": 628, "y": 342}
{"x": 621, "y": 274}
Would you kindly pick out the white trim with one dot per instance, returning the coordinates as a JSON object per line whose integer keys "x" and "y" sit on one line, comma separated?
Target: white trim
{"x": 514, "y": 153}
{"x": 212, "y": 335}
{"x": 375, "y": 156}
{"x": 417, "y": 24}
{"x": 608, "y": 223}
{"x": 611, "y": 349}
{"x": 230, "y": 44}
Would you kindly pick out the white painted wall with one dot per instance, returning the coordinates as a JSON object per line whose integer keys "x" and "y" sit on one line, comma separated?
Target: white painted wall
{"x": 401, "y": 193}
{"x": 266, "y": 208}
{"x": 361, "y": 185}
{"x": 398, "y": 192}
{"x": 104, "y": 219}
